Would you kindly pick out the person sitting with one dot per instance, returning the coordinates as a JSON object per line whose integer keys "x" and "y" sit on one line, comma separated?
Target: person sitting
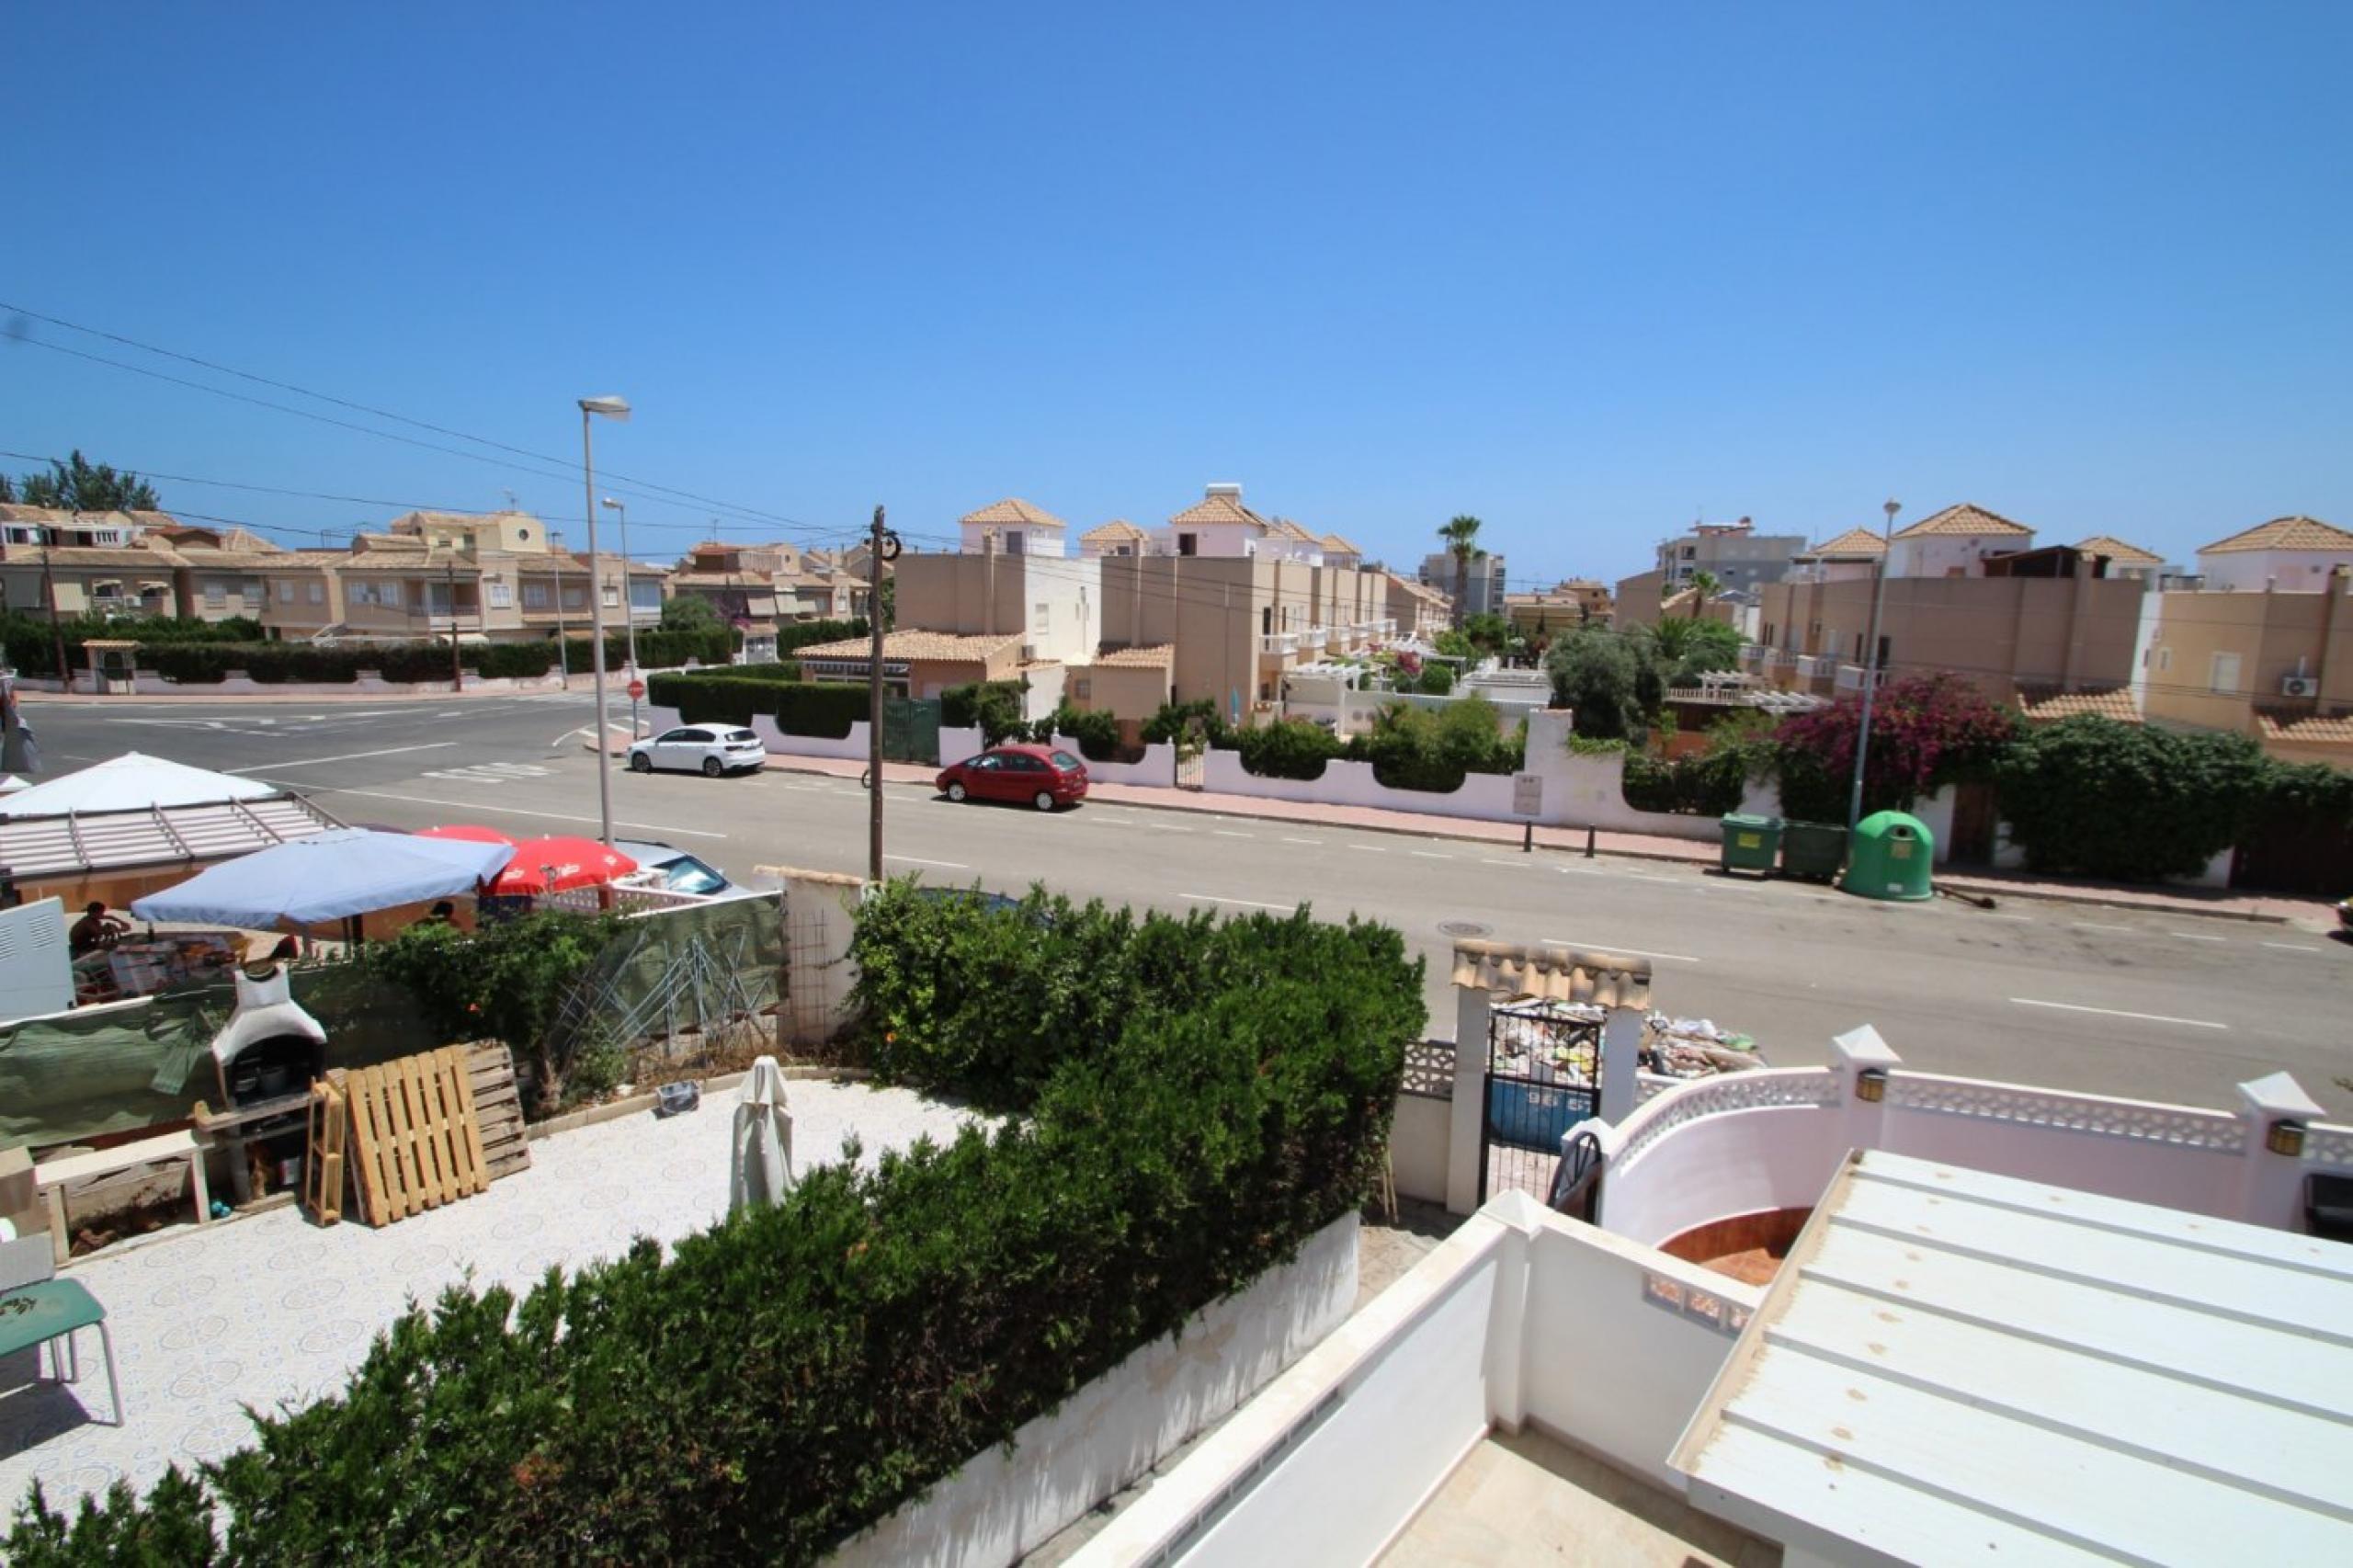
{"x": 442, "y": 914}
{"x": 97, "y": 930}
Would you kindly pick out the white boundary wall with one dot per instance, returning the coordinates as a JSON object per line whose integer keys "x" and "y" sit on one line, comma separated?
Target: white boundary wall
{"x": 1003, "y": 1505}
{"x": 1158, "y": 766}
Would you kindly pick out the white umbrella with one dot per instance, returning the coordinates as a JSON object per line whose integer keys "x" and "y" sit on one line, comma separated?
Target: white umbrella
{"x": 760, "y": 1166}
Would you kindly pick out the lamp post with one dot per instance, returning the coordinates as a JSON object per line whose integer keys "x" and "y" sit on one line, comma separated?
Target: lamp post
{"x": 628, "y": 612}
{"x": 1870, "y": 664}
{"x": 617, "y": 409}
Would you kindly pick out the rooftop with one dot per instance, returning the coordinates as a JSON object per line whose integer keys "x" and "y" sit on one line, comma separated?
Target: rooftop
{"x": 1157, "y": 657}
{"x": 2284, "y": 533}
{"x": 1967, "y": 519}
{"x": 2047, "y": 704}
{"x": 2120, "y": 552}
{"x": 1119, "y": 530}
{"x": 1016, "y": 511}
{"x": 2305, "y": 729}
{"x": 1220, "y": 507}
{"x": 1339, "y": 546}
{"x": 915, "y": 645}
{"x": 1854, "y": 542}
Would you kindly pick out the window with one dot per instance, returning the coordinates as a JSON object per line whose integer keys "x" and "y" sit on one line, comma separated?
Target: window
{"x": 574, "y": 597}
{"x": 645, "y": 594}
{"x": 2164, "y": 659}
{"x": 612, "y": 596}
{"x": 1081, "y": 690}
{"x": 216, "y": 592}
{"x": 1189, "y": 544}
{"x": 502, "y": 593}
{"x": 253, "y": 591}
{"x": 1882, "y": 654}
{"x": 286, "y": 590}
{"x": 1266, "y": 620}
{"x": 2223, "y": 677}
{"x": 316, "y": 592}
{"x": 1041, "y": 618}
{"x": 535, "y": 595}
{"x": 387, "y": 594}
{"x": 1013, "y": 542}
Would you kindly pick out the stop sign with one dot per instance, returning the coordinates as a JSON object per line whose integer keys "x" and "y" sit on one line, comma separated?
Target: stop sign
{"x": 636, "y": 689}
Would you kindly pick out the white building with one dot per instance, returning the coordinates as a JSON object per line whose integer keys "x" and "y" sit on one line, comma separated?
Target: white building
{"x": 1220, "y": 525}
{"x": 1955, "y": 543}
{"x": 1734, "y": 553}
{"x": 2290, "y": 554}
{"x": 1118, "y": 537}
{"x": 1012, "y": 526}
{"x": 1855, "y": 553}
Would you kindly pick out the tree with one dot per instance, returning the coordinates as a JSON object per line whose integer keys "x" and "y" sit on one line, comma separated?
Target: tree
{"x": 1705, "y": 585}
{"x": 8, "y": 489}
{"x": 1461, "y": 539}
{"x": 689, "y": 612}
{"x": 1926, "y": 731}
{"x": 77, "y": 486}
{"x": 1691, "y": 648}
{"x": 1488, "y": 632}
{"x": 1612, "y": 680}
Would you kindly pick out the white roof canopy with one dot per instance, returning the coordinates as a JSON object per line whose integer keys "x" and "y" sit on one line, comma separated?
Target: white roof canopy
{"x": 1956, "y": 1366}
{"x": 131, "y": 783}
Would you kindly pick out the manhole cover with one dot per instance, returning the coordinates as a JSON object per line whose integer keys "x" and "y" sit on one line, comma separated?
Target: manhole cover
{"x": 1464, "y": 929}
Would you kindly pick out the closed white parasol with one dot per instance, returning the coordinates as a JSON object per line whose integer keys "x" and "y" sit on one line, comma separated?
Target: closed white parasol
{"x": 760, "y": 1166}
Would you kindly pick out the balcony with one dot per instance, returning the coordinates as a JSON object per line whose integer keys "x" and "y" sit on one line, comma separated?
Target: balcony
{"x": 1278, "y": 644}
{"x": 1315, "y": 639}
{"x": 1851, "y": 678}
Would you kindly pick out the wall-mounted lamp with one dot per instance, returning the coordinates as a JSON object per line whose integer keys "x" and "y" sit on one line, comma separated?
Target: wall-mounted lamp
{"x": 2285, "y": 1138}
{"x": 1871, "y": 1083}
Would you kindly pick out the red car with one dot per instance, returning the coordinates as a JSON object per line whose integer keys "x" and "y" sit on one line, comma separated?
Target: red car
{"x": 1045, "y": 776}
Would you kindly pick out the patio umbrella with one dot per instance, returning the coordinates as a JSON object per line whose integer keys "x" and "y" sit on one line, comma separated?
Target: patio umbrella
{"x": 553, "y": 865}
{"x": 759, "y": 1169}
{"x": 328, "y": 876}
{"x": 466, "y": 833}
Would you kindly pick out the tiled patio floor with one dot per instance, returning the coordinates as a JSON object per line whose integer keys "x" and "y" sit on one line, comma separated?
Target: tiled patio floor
{"x": 272, "y": 1308}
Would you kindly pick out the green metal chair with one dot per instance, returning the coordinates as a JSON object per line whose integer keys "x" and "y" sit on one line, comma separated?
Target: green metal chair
{"x": 38, "y": 1310}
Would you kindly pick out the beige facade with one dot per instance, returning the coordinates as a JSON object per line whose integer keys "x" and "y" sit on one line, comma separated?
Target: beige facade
{"x": 497, "y": 577}
{"x": 2264, "y": 664}
{"x": 305, "y": 594}
{"x": 917, "y": 663}
{"x": 1578, "y": 602}
{"x": 1638, "y": 598}
{"x": 1239, "y": 624}
{"x": 1126, "y": 688}
{"x": 2004, "y": 633}
{"x": 131, "y": 564}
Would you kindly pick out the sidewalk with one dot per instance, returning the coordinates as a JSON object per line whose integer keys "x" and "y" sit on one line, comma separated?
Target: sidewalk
{"x": 198, "y": 699}
{"x": 2314, "y": 913}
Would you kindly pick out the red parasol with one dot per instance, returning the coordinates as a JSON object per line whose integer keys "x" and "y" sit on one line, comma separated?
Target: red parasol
{"x": 552, "y": 865}
{"x": 468, "y": 834}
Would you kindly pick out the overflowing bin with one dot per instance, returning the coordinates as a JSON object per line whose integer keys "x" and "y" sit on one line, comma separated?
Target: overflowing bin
{"x": 1815, "y": 851}
{"x": 1751, "y": 844}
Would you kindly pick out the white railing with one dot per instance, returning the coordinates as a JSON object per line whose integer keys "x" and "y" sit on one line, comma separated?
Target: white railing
{"x": 2181, "y": 1126}
{"x": 1278, "y": 643}
{"x": 1762, "y": 1089}
{"x": 1314, "y": 638}
{"x": 2327, "y": 1144}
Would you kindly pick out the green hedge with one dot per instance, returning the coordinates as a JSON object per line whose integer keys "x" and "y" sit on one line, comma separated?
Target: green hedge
{"x": 30, "y": 643}
{"x": 800, "y": 634}
{"x": 734, "y": 696}
{"x": 656, "y": 649}
{"x": 793, "y": 1374}
{"x": 1419, "y": 748}
{"x": 1707, "y": 784}
{"x": 994, "y": 706}
{"x": 1287, "y": 748}
{"x": 2128, "y": 801}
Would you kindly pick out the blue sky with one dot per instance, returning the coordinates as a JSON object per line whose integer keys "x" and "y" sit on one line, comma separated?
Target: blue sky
{"x": 1587, "y": 271}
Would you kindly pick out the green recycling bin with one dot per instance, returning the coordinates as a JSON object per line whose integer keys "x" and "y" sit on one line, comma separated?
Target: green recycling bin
{"x": 1814, "y": 850}
{"x": 1751, "y": 844}
{"x": 1890, "y": 858}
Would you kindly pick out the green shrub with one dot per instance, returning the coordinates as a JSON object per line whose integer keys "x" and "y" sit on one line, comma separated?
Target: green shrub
{"x": 2131, "y": 801}
{"x": 818, "y": 709}
{"x": 801, "y": 634}
{"x": 1286, "y": 748}
{"x": 1418, "y": 748}
{"x": 1707, "y": 784}
{"x": 1174, "y": 722}
{"x": 1097, "y": 734}
{"x": 736, "y": 695}
{"x": 1436, "y": 680}
{"x": 992, "y": 706}
{"x": 658, "y": 648}
{"x": 793, "y": 1374}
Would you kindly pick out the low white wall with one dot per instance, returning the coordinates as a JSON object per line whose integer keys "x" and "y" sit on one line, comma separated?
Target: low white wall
{"x": 1418, "y": 1140}
{"x": 1157, "y": 767}
{"x": 146, "y": 683}
{"x": 956, "y": 745}
{"x": 1719, "y": 1166}
{"x": 1005, "y": 1503}
{"x": 854, "y": 746}
{"x": 819, "y": 918}
{"x": 1483, "y": 795}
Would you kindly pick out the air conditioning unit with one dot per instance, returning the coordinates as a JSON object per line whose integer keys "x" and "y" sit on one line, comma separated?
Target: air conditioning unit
{"x": 2299, "y": 685}
{"x": 1029, "y": 652}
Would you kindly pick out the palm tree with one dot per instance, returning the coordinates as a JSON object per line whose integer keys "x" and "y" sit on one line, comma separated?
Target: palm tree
{"x": 1461, "y": 537}
{"x": 1705, "y": 585}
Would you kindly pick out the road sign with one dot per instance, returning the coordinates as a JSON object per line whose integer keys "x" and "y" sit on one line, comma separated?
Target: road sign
{"x": 1528, "y": 794}
{"x": 636, "y": 689}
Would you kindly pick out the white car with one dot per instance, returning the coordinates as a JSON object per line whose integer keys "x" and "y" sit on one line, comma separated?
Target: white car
{"x": 708, "y": 749}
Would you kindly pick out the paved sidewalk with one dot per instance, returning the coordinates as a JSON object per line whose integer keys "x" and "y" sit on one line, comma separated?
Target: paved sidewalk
{"x": 580, "y": 687}
{"x": 2312, "y": 912}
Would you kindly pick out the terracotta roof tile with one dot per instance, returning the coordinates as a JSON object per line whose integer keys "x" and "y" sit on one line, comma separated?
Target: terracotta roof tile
{"x": 2117, "y": 550}
{"x": 1157, "y": 657}
{"x": 1854, "y": 542}
{"x": 1964, "y": 518}
{"x": 915, "y": 645}
{"x": 1339, "y": 546}
{"x": 1221, "y": 509}
{"x": 1013, "y": 509}
{"x": 2046, "y": 704}
{"x": 2305, "y": 729}
{"x": 2284, "y": 533}
{"x": 1119, "y": 530}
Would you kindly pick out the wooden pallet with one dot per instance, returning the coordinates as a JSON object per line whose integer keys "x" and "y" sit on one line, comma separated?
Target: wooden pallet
{"x": 416, "y": 1144}
{"x": 498, "y": 1110}
{"x": 322, "y": 1165}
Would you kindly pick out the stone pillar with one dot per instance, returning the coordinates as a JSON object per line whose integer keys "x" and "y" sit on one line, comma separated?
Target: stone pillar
{"x": 1853, "y": 1055}
{"x": 2271, "y": 1184}
{"x": 1621, "y": 1049}
{"x": 1463, "y": 1152}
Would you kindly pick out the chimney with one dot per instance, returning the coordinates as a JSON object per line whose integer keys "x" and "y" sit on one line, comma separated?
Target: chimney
{"x": 1231, "y": 492}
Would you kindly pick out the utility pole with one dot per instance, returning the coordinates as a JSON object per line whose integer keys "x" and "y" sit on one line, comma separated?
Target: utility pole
{"x": 1870, "y": 666}
{"x": 48, "y": 591}
{"x": 874, "y": 701}
{"x": 457, "y": 666}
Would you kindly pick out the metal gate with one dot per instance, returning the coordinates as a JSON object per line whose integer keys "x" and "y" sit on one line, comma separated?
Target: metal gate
{"x": 911, "y": 729}
{"x": 1543, "y": 1077}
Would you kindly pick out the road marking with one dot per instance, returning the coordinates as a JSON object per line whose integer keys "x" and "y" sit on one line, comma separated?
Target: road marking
{"x": 509, "y": 810}
{"x": 2291, "y": 948}
{"x": 2096, "y": 925}
{"x": 1220, "y": 832}
{"x": 452, "y": 714}
{"x": 2119, "y": 1012}
{"x": 1503, "y": 862}
{"x": 2022, "y": 919}
{"x": 1288, "y": 839}
{"x": 347, "y": 757}
{"x": 2193, "y": 937}
{"x": 1245, "y": 902}
{"x": 919, "y": 860}
{"x": 1613, "y": 947}
{"x": 1583, "y": 872}
{"x": 1369, "y": 848}
{"x": 1171, "y": 828}
{"x": 1430, "y": 855}
{"x": 1667, "y": 881}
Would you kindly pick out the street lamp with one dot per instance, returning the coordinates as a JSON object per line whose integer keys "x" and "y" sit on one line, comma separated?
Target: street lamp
{"x": 618, "y": 409}
{"x": 1870, "y": 664}
{"x": 628, "y": 612}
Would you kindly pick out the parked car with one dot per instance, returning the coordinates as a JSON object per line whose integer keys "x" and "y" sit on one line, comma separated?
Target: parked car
{"x": 681, "y": 873}
{"x": 1044, "y": 777}
{"x": 708, "y": 749}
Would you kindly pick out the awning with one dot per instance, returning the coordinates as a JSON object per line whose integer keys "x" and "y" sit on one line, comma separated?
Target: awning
{"x": 133, "y": 782}
{"x": 327, "y": 877}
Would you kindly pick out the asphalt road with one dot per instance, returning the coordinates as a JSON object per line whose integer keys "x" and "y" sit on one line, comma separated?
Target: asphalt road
{"x": 2152, "y": 1006}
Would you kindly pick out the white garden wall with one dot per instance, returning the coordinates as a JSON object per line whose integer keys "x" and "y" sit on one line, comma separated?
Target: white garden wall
{"x": 1158, "y": 766}
{"x": 1003, "y": 1504}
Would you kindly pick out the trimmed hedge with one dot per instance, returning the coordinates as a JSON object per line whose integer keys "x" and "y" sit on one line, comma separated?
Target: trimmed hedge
{"x": 994, "y": 706}
{"x": 800, "y": 634}
{"x": 793, "y": 1374}
{"x": 2132, "y": 801}
{"x": 732, "y": 695}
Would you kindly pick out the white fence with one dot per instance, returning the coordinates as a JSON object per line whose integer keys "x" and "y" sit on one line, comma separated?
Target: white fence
{"x": 1157, "y": 767}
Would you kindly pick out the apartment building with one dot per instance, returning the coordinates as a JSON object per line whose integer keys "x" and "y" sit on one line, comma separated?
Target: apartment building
{"x": 1736, "y": 553}
{"x": 1012, "y": 526}
{"x": 1853, "y": 555}
{"x": 1577, "y": 601}
{"x": 1238, "y": 625}
{"x": 1118, "y": 537}
{"x": 305, "y": 589}
{"x": 1482, "y": 588}
{"x": 130, "y": 563}
{"x": 494, "y": 577}
{"x": 2274, "y": 661}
